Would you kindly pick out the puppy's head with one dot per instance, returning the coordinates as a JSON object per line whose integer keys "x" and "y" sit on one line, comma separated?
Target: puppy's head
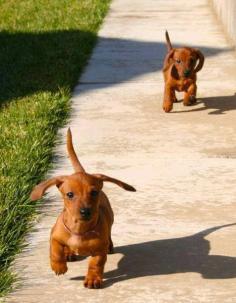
{"x": 185, "y": 61}
{"x": 81, "y": 193}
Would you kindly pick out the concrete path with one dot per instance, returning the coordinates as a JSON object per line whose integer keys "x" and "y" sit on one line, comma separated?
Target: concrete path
{"x": 171, "y": 245}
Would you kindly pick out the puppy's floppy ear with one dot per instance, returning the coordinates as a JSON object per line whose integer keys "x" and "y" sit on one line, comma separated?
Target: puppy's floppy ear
{"x": 168, "y": 57}
{"x": 201, "y": 59}
{"x": 173, "y": 72}
{"x": 40, "y": 189}
{"x": 118, "y": 182}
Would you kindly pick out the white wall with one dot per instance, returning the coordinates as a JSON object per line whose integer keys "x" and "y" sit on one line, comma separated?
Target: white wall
{"x": 226, "y": 13}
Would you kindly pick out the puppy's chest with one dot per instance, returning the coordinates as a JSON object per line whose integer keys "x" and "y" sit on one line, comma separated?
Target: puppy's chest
{"x": 85, "y": 245}
{"x": 183, "y": 85}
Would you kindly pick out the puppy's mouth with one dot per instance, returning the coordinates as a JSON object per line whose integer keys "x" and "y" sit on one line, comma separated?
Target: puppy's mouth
{"x": 82, "y": 219}
{"x": 85, "y": 218}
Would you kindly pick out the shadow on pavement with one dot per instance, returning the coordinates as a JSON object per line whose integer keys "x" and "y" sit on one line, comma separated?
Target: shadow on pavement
{"x": 50, "y": 61}
{"x": 171, "y": 256}
{"x": 219, "y": 105}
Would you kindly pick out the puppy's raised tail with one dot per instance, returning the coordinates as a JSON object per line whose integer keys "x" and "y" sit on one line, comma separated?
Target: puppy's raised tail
{"x": 169, "y": 45}
{"x": 72, "y": 155}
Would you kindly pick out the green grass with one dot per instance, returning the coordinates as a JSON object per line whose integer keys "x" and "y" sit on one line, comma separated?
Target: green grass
{"x": 44, "y": 46}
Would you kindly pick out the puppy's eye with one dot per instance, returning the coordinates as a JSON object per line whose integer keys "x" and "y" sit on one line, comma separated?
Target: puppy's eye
{"x": 70, "y": 195}
{"x": 178, "y": 61}
{"x": 94, "y": 193}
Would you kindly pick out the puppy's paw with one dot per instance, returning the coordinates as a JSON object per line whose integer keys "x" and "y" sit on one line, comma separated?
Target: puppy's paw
{"x": 60, "y": 268}
{"x": 167, "y": 106}
{"x": 191, "y": 100}
{"x": 93, "y": 281}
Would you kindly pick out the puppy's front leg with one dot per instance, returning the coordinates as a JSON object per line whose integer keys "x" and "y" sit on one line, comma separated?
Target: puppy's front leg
{"x": 169, "y": 98}
{"x": 95, "y": 271}
{"x": 57, "y": 257}
{"x": 190, "y": 95}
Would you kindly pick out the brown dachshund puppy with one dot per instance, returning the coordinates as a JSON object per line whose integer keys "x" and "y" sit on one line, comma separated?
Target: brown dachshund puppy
{"x": 84, "y": 226}
{"x": 180, "y": 68}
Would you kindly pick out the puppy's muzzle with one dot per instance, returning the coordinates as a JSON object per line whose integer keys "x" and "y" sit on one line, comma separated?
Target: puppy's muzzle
{"x": 85, "y": 213}
{"x": 187, "y": 73}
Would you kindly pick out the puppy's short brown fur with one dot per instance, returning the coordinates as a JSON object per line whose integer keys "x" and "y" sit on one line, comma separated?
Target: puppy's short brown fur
{"x": 180, "y": 68}
{"x": 84, "y": 226}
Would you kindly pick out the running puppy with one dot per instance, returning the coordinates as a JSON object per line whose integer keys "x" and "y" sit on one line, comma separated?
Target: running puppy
{"x": 84, "y": 226}
{"x": 180, "y": 68}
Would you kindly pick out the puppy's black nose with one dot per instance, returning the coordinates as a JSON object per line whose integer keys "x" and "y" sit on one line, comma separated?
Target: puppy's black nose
{"x": 187, "y": 72}
{"x": 85, "y": 212}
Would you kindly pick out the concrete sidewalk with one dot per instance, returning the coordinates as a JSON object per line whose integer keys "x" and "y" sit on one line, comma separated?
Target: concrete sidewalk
{"x": 170, "y": 242}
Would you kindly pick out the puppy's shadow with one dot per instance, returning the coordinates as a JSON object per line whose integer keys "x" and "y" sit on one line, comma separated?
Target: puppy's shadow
{"x": 219, "y": 105}
{"x": 177, "y": 255}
